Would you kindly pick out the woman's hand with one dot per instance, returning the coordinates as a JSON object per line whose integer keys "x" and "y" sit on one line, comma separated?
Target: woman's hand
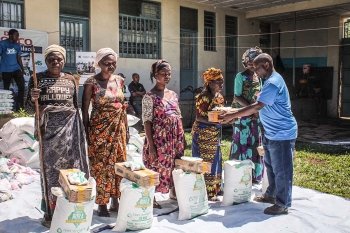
{"x": 35, "y": 93}
{"x": 152, "y": 151}
{"x": 225, "y": 118}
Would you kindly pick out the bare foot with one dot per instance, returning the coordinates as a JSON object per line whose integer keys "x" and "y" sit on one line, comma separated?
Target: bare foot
{"x": 215, "y": 198}
{"x": 114, "y": 204}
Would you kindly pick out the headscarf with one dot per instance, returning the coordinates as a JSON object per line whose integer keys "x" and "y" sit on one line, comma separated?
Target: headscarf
{"x": 55, "y": 48}
{"x": 157, "y": 66}
{"x": 250, "y": 54}
{"x": 102, "y": 53}
{"x": 211, "y": 75}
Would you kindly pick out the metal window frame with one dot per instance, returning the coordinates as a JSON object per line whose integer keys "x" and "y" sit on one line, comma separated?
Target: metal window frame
{"x": 86, "y": 43}
{"x": 347, "y": 29}
{"x": 209, "y": 31}
{"x": 140, "y": 36}
{"x": 19, "y": 6}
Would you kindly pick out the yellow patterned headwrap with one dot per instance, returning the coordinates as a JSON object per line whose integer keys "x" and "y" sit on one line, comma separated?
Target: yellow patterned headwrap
{"x": 55, "y": 48}
{"x": 212, "y": 74}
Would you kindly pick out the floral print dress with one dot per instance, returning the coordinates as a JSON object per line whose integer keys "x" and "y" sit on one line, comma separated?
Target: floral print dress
{"x": 168, "y": 136}
{"x": 107, "y": 138}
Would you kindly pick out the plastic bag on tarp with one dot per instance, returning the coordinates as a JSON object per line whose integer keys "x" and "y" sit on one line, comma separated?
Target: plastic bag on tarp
{"x": 72, "y": 217}
{"x": 191, "y": 194}
{"x": 135, "y": 207}
{"x": 5, "y": 195}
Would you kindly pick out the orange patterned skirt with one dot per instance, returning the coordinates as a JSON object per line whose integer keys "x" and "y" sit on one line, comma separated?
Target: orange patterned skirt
{"x": 107, "y": 146}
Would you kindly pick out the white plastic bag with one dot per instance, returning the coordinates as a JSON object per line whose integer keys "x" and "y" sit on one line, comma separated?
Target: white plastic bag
{"x": 135, "y": 207}
{"x": 191, "y": 194}
{"x": 72, "y": 217}
{"x": 132, "y": 120}
{"x": 238, "y": 182}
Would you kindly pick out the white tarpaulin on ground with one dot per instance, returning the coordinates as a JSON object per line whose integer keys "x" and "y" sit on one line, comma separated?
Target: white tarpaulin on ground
{"x": 312, "y": 211}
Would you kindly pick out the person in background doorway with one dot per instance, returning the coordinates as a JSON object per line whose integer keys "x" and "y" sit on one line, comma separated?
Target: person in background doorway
{"x": 247, "y": 130}
{"x": 281, "y": 130}
{"x": 106, "y": 129}
{"x": 137, "y": 92}
{"x": 165, "y": 138}
{"x": 11, "y": 65}
{"x": 205, "y": 134}
{"x": 62, "y": 131}
{"x": 129, "y": 110}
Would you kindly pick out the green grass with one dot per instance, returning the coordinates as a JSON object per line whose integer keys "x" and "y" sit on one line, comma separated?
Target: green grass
{"x": 323, "y": 168}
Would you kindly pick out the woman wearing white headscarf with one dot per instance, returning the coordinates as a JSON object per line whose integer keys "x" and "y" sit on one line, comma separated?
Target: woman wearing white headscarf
{"x": 106, "y": 128}
{"x": 63, "y": 139}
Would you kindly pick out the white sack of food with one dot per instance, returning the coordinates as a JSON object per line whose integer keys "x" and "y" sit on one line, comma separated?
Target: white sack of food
{"x": 13, "y": 137}
{"x": 72, "y": 217}
{"x": 134, "y": 156}
{"x": 191, "y": 194}
{"x": 137, "y": 141}
{"x": 133, "y": 131}
{"x": 132, "y": 120}
{"x": 27, "y": 157}
{"x": 5, "y": 148}
{"x": 28, "y": 138}
{"x": 23, "y": 123}
{"x": 135, "y": 207}
{"x": 238, "y": 182}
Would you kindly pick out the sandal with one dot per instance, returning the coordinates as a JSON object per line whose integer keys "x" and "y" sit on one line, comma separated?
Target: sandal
{"x": 102, "y": 211}
{"x": 215, "y": 198}
{"x": 156, "y": 205}
{"x": 46, "y": 221}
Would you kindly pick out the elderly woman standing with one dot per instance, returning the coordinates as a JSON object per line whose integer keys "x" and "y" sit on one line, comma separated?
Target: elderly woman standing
{"x": 63, "y": 139}
{"x": 106, "y": 128}
{"x": 205, "y": 134}
{"x": 165, "y": 140}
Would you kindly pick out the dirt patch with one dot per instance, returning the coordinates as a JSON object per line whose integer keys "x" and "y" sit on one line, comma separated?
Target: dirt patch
{"x": 316, "y": 161}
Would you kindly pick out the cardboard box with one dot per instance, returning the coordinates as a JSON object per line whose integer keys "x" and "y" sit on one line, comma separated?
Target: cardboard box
{"x": 213, "y": 116}
{"x": 193, "y": 166}
{"x": 75, "y": 193}
{"x": 144, "y": 177}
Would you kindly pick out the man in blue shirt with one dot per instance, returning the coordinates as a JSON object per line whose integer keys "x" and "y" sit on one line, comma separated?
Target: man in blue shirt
{"x": 273, "y": 105}
{"x": 11, "y": 65}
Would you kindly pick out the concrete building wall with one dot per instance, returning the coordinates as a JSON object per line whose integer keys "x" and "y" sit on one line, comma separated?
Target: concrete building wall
{"x": 43, "y": 15}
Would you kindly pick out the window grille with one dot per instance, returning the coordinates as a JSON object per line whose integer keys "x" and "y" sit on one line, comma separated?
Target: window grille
{"x": 209, "y": 31}
{"x": 347, "y": 29}
{"x": 140, "y": 33}
{"x": 11, "y": 13}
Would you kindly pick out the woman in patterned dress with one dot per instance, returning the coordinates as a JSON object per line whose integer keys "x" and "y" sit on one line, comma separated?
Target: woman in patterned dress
{"x": 247, "y": 131}
{"x": 165, "y": 139}
{"x": 106, "y": 128}
{"x": 205, "y": 134}
{"x": 62, "y": 131}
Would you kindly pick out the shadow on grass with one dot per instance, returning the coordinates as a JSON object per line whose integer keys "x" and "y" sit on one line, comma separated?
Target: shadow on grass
{"x": 332, "y": 150}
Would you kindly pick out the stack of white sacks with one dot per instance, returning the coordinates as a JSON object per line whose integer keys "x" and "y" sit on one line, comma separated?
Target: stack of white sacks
{"x": 18, "y": 142}
{"x": 6, "y": 102}
{"x": 135, "y": 146}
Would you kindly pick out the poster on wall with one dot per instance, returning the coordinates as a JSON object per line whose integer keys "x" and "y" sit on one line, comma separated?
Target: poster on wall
{"x": 85, "y": 65}
{"x": 26, "y": 39}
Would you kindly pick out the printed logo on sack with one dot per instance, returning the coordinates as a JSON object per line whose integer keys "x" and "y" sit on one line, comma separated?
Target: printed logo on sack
{"x": 78, "y": 216}
{"x": 247, "y": 177}
{"x": 145, "y": 201}
{"x": 199, "y": 184}
{"x": 11, "y": 51}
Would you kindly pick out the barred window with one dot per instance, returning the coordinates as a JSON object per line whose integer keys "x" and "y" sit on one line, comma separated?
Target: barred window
{"x": 347, "y": 29}
{"x": 139, "y": 29}
{"x": 209, "y": 31}
{"x": 74, "y": 29}
{"x": 265, "y": 37}
{"x": 11, "y": 13}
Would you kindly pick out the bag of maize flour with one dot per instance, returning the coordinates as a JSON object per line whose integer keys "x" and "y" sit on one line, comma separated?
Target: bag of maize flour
{"x": 135, "y": 207}
{"x": 237, "y": 182}
{"x": 191, "y": 194}
{"x": 72, "y": 217}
